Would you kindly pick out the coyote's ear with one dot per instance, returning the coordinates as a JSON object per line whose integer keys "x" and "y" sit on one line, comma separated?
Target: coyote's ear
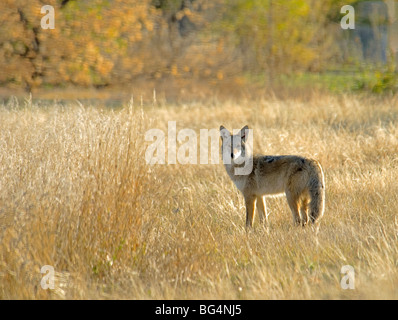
{"x": 243, "y": 132}
{"x": 224, "y": 133}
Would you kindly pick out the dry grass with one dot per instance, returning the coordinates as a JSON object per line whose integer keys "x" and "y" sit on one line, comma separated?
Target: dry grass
{"x": 76, "y": 194}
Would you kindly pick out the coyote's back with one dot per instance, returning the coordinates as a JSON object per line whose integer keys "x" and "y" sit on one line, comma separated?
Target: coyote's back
{"x": 301, "y": 179}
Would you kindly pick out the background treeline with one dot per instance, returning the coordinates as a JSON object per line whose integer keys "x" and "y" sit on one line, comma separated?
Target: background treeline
{"x": 113, "y": 42}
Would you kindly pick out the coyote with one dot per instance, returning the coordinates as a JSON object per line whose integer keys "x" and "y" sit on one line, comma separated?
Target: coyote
{"x": 301, "y": 179}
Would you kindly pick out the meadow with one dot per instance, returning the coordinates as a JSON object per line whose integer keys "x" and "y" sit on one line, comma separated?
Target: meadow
{"x": 77, "y": 194}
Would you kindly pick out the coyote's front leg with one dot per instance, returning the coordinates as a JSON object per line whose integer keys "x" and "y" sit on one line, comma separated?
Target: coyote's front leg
{"x": 250, "y": 202}
{"x": 262, "y": 209}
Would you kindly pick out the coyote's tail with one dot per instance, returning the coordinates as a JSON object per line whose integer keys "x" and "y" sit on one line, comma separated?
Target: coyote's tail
{"x": 317, "y": 192}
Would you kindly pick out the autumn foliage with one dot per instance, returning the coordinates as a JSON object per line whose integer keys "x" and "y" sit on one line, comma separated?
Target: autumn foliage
{"x": 90, "y": 44}
{"x": 113, "y": 42}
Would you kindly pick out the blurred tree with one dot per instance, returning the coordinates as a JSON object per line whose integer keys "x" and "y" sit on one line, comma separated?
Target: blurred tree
{"x": 20, "y": 42}
{"x": 104, "y": 42}
{"x": 177, "y": 12}
{"x": 276, "y": 35}
{"x": 89, "y": 45}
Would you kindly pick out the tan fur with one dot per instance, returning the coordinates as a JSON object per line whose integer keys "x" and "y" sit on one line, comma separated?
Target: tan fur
{"x": 300, "y": 179}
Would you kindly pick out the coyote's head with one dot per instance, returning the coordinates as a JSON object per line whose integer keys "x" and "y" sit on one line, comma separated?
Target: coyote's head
{"x": 236, "y": 148}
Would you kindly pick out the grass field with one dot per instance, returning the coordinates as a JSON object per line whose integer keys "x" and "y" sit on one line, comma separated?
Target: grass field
{"x": 77, "y": 194}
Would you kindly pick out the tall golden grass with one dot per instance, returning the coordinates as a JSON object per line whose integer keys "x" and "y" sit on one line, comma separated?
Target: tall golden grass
{"x": 77, "y": 194}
